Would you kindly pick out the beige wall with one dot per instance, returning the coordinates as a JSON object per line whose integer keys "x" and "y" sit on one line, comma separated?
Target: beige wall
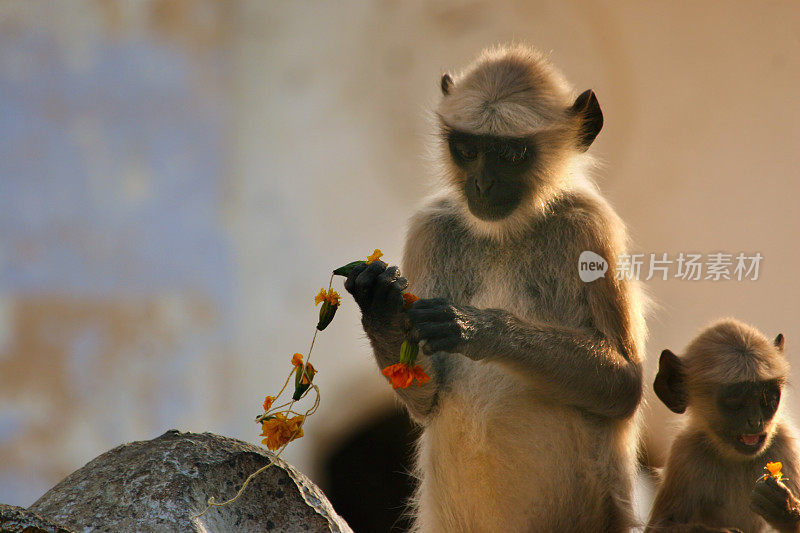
{"x": 699, "y": 148}
{"x": 326, "y": 132}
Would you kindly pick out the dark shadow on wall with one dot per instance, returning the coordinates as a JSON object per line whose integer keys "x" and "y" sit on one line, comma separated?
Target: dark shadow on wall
{"x": 368, "y": 474}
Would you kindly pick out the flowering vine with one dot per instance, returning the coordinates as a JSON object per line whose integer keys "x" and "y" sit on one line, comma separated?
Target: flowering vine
{"x": 282, "y": 424}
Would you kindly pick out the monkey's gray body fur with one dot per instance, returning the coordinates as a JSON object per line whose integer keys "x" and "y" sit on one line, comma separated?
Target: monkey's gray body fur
{"x": 529, "y": 439}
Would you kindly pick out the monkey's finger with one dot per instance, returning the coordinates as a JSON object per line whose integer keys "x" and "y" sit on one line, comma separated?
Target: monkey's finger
{"x": 350, "y": 282}
{"x": 439, "y": 314}
{"x": 395, "y": 293}
{"x": 400, "y": 284}
{"x": 427, "y": 303}
{"x": 775, "y": 484}
{"x": 764, "y": 506}
{"x": 771, "y": 487}
{"x": 384, "y": 282}
{"x": 759, "y": 509}
{"x": 448, "y": 344}
{"x": 432, "y": 330}
{"x": 365, "y": 282}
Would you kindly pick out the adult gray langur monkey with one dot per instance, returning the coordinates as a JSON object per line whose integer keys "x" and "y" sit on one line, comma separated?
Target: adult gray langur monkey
{"x": 529, "y": 420}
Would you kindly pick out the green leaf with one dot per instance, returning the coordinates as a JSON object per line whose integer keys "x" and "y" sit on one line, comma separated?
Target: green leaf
{"x": 346, "y": 269}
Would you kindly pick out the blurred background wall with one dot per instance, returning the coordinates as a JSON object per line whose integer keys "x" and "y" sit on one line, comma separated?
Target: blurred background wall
{"x": 178, "y": 178}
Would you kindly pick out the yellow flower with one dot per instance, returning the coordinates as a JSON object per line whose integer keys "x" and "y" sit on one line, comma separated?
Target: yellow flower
{"x": 280, "y": 431}
{"x": 268, "y": 402}
{"x": 775, "y": 469}
{"x": 331, "y": 296}
{"x": 297, "y": 359}
{"x": 377, "y": 254}
{"x": 320, "y": 297}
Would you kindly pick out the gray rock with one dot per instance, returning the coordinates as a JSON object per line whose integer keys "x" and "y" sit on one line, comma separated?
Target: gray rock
{"x": 20, "y": 520}
{"x": 158, "y": 485}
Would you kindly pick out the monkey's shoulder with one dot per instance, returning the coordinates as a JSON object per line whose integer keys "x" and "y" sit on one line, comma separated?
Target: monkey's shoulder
{"x": 691, "y": 457}
{"x": 584, "y": 217}
{"x": 439, "y": 218}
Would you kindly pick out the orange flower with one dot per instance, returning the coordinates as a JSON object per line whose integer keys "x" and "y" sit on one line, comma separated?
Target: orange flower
{"x": 775, "y": 469}
{"x": 280, "y": 431}
{"x": 331, "y": 296}
{"x": 268, "y": 402}
{"x": 420, "y": 375}
{"x": 377, "y": 254}
{"x": 402, "y": 376}
{"x": 297, "y": 360}
{"x": 408, "y": 299}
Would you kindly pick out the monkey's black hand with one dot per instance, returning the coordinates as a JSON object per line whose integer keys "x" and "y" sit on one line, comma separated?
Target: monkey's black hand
{"x": 776, "y": 504}
{"x": 378, "y": 292}
{"x": 444, "y": 326}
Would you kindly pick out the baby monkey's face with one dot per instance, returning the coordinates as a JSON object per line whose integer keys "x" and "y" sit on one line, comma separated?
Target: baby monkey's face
{"x": 745, "y": 412}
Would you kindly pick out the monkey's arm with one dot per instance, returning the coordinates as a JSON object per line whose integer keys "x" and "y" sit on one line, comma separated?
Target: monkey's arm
{"x": 776, "y": 504}
{"x": 580, "y": 367}
{"x": 378, "y": 292}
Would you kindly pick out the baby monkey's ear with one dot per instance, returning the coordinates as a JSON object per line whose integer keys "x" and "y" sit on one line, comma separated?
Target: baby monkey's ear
{"x": 780, "y": 341}
{"x": 447, "y": 83}
{"x": 670, "y": 384}
{"x": 587, "y": 110}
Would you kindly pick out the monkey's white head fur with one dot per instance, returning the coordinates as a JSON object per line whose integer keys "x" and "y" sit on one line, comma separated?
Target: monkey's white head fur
{"x": 515, "y": 92}
{"x": 507, "y": 91}
{"x": 729, "y": 350}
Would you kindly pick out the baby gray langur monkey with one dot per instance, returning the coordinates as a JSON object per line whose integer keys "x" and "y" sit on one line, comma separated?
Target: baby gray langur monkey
{"x": 530, "y": 417}
{"x": 730, "y": 380}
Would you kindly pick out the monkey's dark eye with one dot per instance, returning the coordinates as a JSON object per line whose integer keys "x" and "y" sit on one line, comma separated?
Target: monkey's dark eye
{"x": 512, "y": 152}
{"x": 464, "y": 151}
{"x": 732, "y": 403}
{"x": 770, "y": 399}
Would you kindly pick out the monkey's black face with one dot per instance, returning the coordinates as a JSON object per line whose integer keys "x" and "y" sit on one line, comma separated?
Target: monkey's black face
{"x": 496, "y": 172}
{"x": 746, "y": 411}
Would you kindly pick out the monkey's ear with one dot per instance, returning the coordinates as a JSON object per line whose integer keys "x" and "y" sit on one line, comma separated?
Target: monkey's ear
{"x": 447, "y": 83}
{"x": 780, "y": 341}
{"x": 670, "y": 386}
{"x": 587, "y": 109}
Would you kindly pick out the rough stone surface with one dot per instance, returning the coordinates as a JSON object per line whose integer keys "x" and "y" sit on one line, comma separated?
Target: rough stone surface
{"x": 20, "y": 520}
{"x": 158, "y": 485}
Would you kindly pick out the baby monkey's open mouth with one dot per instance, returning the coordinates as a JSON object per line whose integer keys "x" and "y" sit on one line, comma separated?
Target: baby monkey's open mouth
{"x": 752, "y": 441}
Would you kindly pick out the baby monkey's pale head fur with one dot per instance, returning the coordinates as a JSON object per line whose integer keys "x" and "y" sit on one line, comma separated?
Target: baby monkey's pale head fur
{"x": 512, "y": 136}
{"x": 730, "y": 378}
